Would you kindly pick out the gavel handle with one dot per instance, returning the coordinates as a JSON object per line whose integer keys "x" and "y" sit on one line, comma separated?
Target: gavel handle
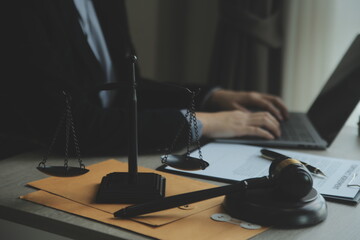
{"x": 187, "y": 198}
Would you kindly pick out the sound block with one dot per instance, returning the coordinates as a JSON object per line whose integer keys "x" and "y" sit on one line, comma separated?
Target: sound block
{"x": 267, "y": 207}
{"x": 115, "y": 188}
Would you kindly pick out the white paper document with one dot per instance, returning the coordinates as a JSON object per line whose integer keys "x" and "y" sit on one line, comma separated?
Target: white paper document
{"x": 239, "y": 162}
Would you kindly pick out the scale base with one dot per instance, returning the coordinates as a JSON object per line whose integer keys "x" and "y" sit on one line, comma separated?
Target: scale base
{"x": 115, "y": 188}
{"x": 267, "y": 207}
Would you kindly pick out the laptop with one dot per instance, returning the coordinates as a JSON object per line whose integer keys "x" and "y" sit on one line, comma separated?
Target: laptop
{"x": 318, "y": 128}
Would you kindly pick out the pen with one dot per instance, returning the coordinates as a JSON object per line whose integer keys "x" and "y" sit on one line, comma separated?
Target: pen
{"x": 271, "y": 155}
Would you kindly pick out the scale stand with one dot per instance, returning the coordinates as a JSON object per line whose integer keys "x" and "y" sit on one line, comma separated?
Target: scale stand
{"x": 131, "y": 186}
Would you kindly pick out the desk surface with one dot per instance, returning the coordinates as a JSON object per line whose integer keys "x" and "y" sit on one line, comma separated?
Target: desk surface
{"x": 343, "y": 221}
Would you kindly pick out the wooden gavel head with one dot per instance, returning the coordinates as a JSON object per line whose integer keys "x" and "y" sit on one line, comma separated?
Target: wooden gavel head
{"x": 291, "y": 177}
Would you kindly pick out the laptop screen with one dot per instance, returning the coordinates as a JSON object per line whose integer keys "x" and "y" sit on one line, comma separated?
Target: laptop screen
{"x": 339, "y": 96}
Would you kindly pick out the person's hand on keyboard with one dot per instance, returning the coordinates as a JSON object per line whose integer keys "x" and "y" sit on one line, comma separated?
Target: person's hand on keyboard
{"x": 238, "y": 123}
{"x": 241, "y": 100}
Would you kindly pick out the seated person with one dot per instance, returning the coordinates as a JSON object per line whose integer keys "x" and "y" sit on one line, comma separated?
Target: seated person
{"x": 78, "y": 45}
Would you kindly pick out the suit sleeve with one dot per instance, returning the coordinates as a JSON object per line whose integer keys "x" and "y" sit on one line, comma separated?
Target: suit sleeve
{"x": 35, "y": 102}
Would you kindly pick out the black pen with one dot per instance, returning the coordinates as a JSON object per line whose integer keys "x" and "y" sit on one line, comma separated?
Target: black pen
{"x": 271, "y": 155}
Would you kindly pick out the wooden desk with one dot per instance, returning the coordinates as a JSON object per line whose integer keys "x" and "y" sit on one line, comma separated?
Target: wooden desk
{"x": 343, "y": 221}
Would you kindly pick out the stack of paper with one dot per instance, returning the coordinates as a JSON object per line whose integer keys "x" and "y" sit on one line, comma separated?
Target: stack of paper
{"x": 235, "y": 162}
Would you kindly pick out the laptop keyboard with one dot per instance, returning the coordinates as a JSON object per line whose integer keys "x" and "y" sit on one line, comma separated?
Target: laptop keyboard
{"x": 295, "y": 130}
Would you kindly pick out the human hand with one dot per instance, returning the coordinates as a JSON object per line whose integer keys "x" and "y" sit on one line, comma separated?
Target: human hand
{"x": 238, "y": 123}
{"x": 239, "y": 100}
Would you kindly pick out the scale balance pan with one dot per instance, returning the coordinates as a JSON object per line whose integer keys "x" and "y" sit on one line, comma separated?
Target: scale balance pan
{"x": 184, "y": 162}
{"x": 268, "y": 207}
{"x": 62, "y": 171}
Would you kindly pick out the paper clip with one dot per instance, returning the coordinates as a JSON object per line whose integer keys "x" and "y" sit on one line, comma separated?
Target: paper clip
{"x": 350, "y": 184}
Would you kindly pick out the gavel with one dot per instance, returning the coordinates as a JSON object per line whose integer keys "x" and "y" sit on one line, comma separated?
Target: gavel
{"x": 288, "y": 177}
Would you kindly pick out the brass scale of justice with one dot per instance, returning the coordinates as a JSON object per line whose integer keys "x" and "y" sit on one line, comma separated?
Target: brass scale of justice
{"x": 184, "y": 162}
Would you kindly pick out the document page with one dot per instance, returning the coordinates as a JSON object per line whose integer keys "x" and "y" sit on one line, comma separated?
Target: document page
{"x": 239, "y": 162}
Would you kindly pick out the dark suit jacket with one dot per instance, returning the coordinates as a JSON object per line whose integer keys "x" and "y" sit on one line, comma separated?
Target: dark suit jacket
{"x": 48, "y": 53}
